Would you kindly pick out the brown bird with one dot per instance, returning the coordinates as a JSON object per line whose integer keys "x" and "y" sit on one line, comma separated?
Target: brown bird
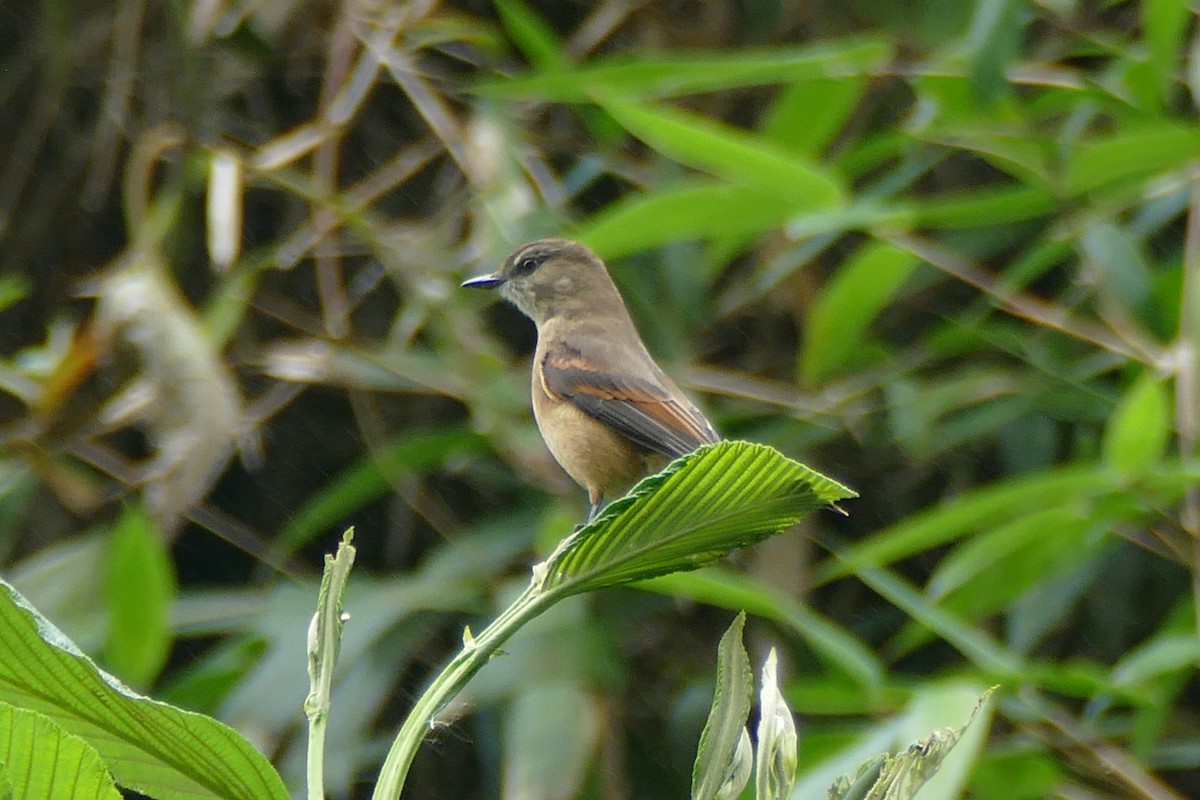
{"x": 605, "y": 409}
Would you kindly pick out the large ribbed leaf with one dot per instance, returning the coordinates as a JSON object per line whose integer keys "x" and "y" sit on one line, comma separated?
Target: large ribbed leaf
{"x": 723, "y": 496}
{"x": 41, "y": 761}
{"x": 157, "y": 749}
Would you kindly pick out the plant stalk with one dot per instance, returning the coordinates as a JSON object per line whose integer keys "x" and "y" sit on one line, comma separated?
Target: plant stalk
{"x": 476, "y": 652}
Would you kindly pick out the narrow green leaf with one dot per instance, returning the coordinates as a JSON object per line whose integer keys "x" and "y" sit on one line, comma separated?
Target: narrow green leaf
{"x": 726, "y": 588}
{"x": 373, "y": 477}
{"x": 723, "y": 764}
{"x": 995, "y": 205}
{"x": 42, "y": 761}
{"x": 982, "y": 650}
{"x": 1121, "y": 268}
{"x": 776, "y": 759}
{"x": 14, "y": 287}
{"x": 140, "y": 588}
{"x": 1140, "y": 427}
{"x": 148, "y": 746}
{"x": 742, "y": 158}
{"x": 723, "y": 496}
{"x": 808, "y": 114}
{"x": 552, "y": 733}
{"x": 530, "y": 33}
{"x": 677, "y": 75}
{"x": 1164, "y": 24}
{"x": 675, "y": 213}
{"x": 1141, "y": 153}
{"x": 992, "y": 44}
{"x": 967, "y": 513}
{"x": 1165, "y": 654}
{"x": 859, "y": 290}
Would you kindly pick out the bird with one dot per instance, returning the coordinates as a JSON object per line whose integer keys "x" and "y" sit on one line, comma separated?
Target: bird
{"x": 606, "y": 411}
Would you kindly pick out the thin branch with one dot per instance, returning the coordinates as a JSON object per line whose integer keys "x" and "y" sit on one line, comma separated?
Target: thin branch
{"x": 1031, "y": 309}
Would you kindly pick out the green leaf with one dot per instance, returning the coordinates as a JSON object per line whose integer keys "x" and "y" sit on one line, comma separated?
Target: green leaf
{"x": 863, "y": 286}
{"x": 995, "y": 205}
{"x": 726, "y": 588}
{"x": 1121, "y": 268}
{"x": 775, "y": 760}
{"x": 148, "y": 746}
{"x": 675, "y": 213}
{"x": 1165, "y": 654}
{"x": 981, "y": 649}
{"x": 741, "y": 158}
{"x": 373, "y": 477}
{"x": 967, "y": 513}
{"x": 552, "y": 735}
{"x": 901, "y": 777}
{"x": 723, "y": 762}
{"x": 1130, "y": 154}
{"x": 1140, "y": 427}
{"x": 530, "y": 33}
{"x": 808, "y": 114}
{"x": 14, "y": 288}
{"x": 42, "y": 761}
{"x": 992, "y": 44}
{"x": 723, "y": 496}
{"x": 1164, "y": 24}
{"x": 139, "y": 584}
{"x": 676, "y": 75}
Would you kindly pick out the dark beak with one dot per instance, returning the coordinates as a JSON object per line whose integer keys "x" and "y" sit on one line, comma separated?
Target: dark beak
{"x": 484, "y": 282}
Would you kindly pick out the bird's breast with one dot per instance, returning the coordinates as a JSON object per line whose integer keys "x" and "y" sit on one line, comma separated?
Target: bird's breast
{"x": 597, "y": 458}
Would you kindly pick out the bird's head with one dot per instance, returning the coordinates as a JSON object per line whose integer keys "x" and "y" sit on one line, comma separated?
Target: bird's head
{"x": 551, "y": 278}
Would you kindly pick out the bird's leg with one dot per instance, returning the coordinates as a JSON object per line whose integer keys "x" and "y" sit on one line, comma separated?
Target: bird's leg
{"x": 596, "y": 497}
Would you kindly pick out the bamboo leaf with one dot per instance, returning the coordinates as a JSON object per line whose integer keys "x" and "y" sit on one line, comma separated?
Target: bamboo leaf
{"x": 742, "y": 158}
{"x": 690, "y": 211}
{"x": 676, "y": 75}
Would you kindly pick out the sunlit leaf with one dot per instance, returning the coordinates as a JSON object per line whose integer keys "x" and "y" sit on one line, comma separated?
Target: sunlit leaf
{"x": 673, "y": 213}
{"x": 739, "y": 157}
{"x": 1138, "y": 431}
{"x": 678, "y": 74}
{"x": 791, "y": 122}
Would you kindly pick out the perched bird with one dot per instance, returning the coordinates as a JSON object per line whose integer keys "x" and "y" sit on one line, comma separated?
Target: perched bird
{"x": 605, "y": 409}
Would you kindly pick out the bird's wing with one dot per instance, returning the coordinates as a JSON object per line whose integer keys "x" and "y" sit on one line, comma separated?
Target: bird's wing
{"x": 640, "y": 408}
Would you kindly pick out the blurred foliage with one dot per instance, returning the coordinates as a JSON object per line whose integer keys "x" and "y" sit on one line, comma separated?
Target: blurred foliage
{"x": 948, "y": 253}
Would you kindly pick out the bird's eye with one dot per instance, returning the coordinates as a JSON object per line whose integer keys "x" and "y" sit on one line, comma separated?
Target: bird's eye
{"x": 526, "y": 265}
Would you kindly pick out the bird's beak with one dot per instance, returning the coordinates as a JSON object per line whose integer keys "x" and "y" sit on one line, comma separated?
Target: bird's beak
{"x": 484, "y": 282}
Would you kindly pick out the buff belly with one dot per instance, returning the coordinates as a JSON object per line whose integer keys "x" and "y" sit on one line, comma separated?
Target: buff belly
{"x": 601, "y": 461}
